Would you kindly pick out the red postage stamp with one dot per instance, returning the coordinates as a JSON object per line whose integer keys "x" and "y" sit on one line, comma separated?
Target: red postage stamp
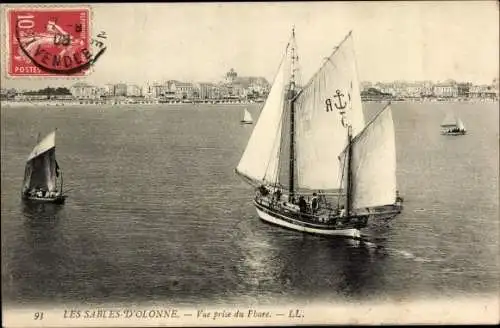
{"x": 48, "y": 41}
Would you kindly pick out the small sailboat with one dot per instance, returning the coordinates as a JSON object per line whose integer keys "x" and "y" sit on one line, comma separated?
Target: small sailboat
{"x": 452, "y": 125}
{"x": 317, "y": 167}
{"x": 42, "y": 172}
{"x": 247, "y": 117}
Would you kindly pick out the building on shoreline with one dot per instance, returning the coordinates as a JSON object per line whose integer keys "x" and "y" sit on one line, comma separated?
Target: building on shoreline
{"x": 445, "y": 90}
{"x": 134, "y": 90}
{"x": 120, "y": 90}
{"x": 83, "y": 90}
{"x": 483, "y": 91}
{"x": 208, "y": 91}
{"x": 448, "y": 89}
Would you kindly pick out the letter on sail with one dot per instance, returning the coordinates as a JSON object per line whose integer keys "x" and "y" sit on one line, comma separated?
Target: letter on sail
{"x": 373, "y": 163}
{"x": 320, "y": 133}
{"x": 261, "y": 157}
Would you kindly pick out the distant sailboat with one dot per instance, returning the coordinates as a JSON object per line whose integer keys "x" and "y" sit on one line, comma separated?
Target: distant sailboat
{"x": 247, "y": 117}
{"x": 315, "y": 152}
{"x": 452, "y": 125}
{"x": 41, "y": 173}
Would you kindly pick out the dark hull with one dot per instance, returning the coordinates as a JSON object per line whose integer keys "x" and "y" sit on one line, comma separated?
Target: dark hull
{"x": 246, "y": 122}
{"x": 51, "y": 200}
{"x": 454, "y": 133}
{"x": 334, "y": 226}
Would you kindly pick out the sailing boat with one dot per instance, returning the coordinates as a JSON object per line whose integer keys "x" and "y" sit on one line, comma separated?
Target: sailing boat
{"x": 247, "y": 117}
{"x": 452, "y": 125}
{"x": 314, "y": 143}
{"x": 41, "y": 173}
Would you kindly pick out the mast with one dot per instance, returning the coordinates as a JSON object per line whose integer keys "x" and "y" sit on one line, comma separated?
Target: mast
{"x": 291, "y": 96}
{"x": 349, "y": 175}
{"x": 348, "y": 185}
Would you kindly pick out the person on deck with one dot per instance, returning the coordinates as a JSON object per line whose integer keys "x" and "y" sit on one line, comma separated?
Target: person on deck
{"x": 302, "y": 204}
{"x": 342, "y": 211}
{"x": 314, "y": 203}
{"x": 399, "y": 199}
{"x": 277, "y": 194}
{"x": 263, "y": 190}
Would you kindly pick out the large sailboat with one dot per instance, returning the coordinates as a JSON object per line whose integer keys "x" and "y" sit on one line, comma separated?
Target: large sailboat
{"x": 247, "y": 117}
{"x": 42, "y": 172}
{"x": 317, "y": 167}
{"x": 452, "y": 125}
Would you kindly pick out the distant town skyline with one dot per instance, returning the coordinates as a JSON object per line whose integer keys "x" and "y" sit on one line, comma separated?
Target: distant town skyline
{"x": 363, "y": 84}
{"x": 200, "y": 42}
{"x": 250, "y": 87}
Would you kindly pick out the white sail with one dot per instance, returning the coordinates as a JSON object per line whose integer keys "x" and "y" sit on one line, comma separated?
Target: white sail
{"x": 449, "y": 120}
{"x": 46, "y": 144}
{"x": 260, "y": 159}
{"x": 320, "y": 134}
{"x": 373, "y": 163}
{"x": 247, "y": 117}
{"x": 460, "y": 125}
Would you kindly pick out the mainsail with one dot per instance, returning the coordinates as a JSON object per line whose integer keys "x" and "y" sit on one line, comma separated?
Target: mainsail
{"x": 41, "y": 166}
{"x": 373, "y": 163}
{"x": 320, "y": 135}
{"x": 247, "y": 117}
{"x": 449, "y": 121}
{"x": 260, "y": 160}
{"x": 460, "y": 124}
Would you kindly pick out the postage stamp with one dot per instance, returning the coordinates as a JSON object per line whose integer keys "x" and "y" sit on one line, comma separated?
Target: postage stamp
{"x": 49, "y": 41}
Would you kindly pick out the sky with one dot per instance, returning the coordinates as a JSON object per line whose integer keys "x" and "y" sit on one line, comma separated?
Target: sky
{"x": 434, "y": 40}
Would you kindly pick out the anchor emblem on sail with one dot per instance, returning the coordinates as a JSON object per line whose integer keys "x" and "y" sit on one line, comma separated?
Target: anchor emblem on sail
{"x": 338, "y": 104}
